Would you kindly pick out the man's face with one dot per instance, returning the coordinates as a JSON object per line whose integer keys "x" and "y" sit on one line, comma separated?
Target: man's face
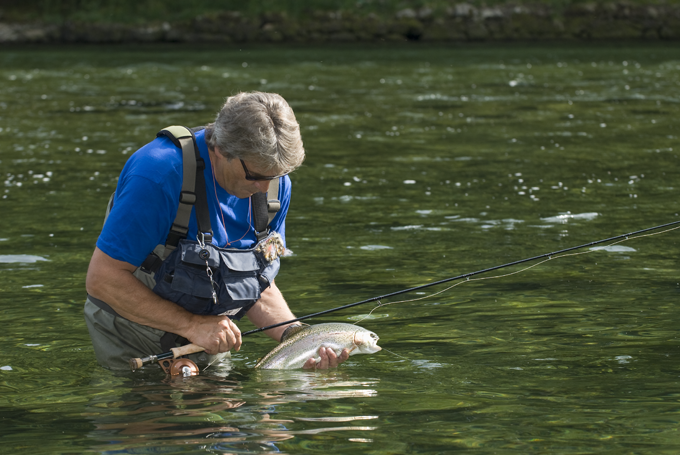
{"x": 231, "y": 175}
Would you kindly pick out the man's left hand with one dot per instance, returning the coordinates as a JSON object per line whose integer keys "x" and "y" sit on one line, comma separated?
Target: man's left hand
{"x": 328, "y": 359}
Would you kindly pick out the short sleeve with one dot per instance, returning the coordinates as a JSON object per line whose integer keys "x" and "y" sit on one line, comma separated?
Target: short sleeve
{"x": 145, "y": 203}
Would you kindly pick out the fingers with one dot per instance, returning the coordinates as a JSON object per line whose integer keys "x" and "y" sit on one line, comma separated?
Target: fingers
{"x": 325, "y": 355}
{"x": 229, "y": 336}
{"x": 333, "y": 360}
{"x": 328, "y": 359}
{"x": 310, "y": 364}
{"x": 217, "y": 334}
{"x": 232, "y": 336}
{"x": 211, "y": 351}
{"x": 237, "y": 334}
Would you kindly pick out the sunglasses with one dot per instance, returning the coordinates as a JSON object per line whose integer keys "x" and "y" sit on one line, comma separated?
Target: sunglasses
{"x": 252, "y": 177}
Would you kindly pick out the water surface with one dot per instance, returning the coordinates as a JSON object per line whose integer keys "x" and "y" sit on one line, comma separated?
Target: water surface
{"x": 423, "y": 163}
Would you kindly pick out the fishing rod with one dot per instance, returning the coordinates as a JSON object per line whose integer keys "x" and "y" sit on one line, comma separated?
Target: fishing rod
{"x": 192, "y": 348}
{"x": 459, "y": 277}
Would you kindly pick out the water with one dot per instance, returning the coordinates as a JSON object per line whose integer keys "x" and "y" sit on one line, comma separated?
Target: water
{"x": 423, "y": 163}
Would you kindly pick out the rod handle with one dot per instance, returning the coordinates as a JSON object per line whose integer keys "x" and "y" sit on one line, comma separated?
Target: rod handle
{"x": 186, "y": 350}
{"x": 136, "y": 364}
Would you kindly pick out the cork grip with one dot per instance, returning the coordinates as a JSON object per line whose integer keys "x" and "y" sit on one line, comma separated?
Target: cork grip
{"x": 136, "y": 364}
{"x": 186, "y": 350}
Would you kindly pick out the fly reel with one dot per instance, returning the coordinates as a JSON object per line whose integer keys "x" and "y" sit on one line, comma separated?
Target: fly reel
{"x": 179, "y": 367}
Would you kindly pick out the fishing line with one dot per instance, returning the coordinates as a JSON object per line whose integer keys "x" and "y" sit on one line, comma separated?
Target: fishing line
{"x": 550, "y": 258}
{"x": 394, "y": 353}
{"x": 557, "y": 254}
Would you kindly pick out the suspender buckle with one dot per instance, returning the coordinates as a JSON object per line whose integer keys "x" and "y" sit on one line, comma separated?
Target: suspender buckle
{"x": 273, "y": 205}
{"x": 203, "y": 238}
{"x": 151, "y": 264}
{"x": 179, "y": 229}
{"x": 187, "y": 197}
{"x": 176, "y": 234}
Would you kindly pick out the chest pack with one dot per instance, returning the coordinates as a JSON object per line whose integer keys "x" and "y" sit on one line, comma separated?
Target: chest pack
{"x": 201, "y": 277}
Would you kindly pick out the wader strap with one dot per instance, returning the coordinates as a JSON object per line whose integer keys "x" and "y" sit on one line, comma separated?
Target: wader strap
{"x": 273, "y": 203}
{"x": 192, "y": 178}
{"x": 151, "y": 264}
{"x": 265, "y": 207}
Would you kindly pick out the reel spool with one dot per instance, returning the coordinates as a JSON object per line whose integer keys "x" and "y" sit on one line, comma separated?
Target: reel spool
{"x": 179, "y": 367}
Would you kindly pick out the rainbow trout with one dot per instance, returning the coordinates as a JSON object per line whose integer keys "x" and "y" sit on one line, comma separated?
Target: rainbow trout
{"x": 305, "y": 344}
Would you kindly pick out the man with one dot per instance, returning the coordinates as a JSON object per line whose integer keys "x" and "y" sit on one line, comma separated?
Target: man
{"x": 132, "y": 311}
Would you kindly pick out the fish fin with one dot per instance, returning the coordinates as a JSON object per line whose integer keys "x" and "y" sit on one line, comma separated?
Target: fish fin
{"x": 292, "y": 330}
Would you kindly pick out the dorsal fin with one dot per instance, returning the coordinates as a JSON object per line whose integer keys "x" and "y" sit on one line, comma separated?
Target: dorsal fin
{"x": 293, "y": 330}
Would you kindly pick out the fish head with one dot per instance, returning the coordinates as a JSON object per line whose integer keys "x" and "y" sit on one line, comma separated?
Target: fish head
{"x": 366, "y": 342}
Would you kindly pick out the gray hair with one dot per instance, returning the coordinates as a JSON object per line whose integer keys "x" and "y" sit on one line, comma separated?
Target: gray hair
{"x": 258, "y": 127}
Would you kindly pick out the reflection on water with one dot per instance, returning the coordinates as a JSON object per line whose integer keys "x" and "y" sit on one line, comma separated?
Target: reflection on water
{"x": 20, "y": 259}
{"x": 423, "y": 163}
{"x": 217, "y": 413}
{"x": 564, "y": 218}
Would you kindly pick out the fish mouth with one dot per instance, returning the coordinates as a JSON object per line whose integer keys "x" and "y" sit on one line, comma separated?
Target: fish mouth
{"x": 367, "y": 342}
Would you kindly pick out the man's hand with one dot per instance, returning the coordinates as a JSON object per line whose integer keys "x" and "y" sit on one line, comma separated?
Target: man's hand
{"x": 215, "y": 334}
{"x": 328, "y": 359}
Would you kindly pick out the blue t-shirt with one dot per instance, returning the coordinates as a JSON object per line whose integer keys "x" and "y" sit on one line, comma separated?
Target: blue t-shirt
{"x": 147, "y": 197}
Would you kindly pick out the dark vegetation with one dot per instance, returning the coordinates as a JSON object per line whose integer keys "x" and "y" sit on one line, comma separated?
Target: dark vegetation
{"x": 333, "y": 20}
{"x": 149, "y": 11}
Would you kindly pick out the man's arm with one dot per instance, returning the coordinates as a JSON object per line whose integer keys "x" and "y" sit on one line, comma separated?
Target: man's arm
{"x": 112, "y": 281}
{"x": 271, "y": 309}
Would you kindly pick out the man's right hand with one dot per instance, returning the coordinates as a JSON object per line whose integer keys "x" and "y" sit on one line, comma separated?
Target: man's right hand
{"x": 215, "y": 334}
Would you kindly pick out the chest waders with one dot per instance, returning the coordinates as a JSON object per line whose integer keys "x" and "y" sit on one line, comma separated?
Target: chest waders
{"x": 200, "y": 277}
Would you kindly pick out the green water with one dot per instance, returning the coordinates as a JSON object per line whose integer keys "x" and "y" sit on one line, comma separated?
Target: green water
{"x": 423, "y": 163}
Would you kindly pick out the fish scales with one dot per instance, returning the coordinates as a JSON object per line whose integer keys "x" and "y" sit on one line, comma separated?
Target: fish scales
{"x": 305, "y": 344}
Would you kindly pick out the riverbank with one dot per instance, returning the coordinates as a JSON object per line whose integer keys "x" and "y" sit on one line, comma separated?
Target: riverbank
{"x": 456, "y": 23}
